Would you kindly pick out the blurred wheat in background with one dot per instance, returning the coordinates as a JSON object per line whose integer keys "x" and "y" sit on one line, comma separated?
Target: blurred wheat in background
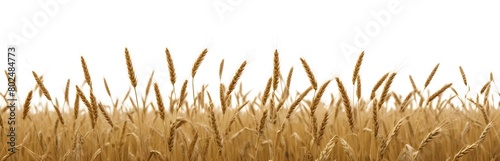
{"x": 277, "y": 124}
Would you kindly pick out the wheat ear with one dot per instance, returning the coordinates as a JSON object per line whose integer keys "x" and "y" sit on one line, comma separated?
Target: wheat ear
{"x": 347, "y": 104}
{"x": 355, "y": 73}
{"x": 276, "y": 70}
{"x": 309, "y": 73}
{"x": 377, "y": 85}
{"x": 27, "y": 102}
{"x": 86, "y": 72}
{"x": 431, "y": 75}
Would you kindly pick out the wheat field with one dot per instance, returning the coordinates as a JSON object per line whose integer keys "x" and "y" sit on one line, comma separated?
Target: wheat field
{"x": 278, "y": 124}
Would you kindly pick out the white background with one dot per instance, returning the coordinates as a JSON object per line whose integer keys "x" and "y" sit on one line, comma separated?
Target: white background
{"x": 418, "y": 35}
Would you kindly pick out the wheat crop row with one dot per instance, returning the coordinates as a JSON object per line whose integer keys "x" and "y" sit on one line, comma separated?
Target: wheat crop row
{"x": 278, "y": 124}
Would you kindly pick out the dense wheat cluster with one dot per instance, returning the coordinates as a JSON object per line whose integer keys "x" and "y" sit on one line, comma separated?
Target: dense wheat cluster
{"x": 278, "y": 124}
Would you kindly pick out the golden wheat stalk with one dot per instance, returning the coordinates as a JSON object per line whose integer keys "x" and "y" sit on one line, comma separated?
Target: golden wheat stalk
{"x": 385, "y": 91}
{"x": 221, "y": 68}
{"x": 276, "y": 69}
{"x": 439, "y": 92}
{"x": 27, "y": 102}
{"x": 309, "y": 73}
{"x": 473, "y": 146}
{"x": 464, "y": 77}
{"x": 387, "y": 140}
{"x": 236, "y": 77}
{"x": 296, "y": 102}
{"x": 76, "y": 106}
{"x": 66, "y": 92}
{"x": 130, "y": 69}
{"x": 42, "y": 87}
{"x": 347, "y": 103}
{"x": 431, "y": 75}
{"x": 106, "y": 115}
{"x": 314, "y": 104}
{"x": 86, "y": 72}
{"x": 266, "y": 93}
{"x": 159, "y": 101}
{"x": 377, "y": 85}
{"x": 355, "y": 73}
{"x": 171, "y": 67}
{"x": 198, "y": 62}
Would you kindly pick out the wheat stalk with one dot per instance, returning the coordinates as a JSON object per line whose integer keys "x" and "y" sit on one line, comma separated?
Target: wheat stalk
{"x": 86, "y": 72}
{"x": 385, "y": 91}
{"x": 377, "y": 85}
{"x": 464, "y": 78}
{"x": 27, "y": 102}
{"x": 355, "y": 73}
{"x": 198, "y": 62}
{"x": 347, "y": 104}
{"x": 309, "y": 73}
{"x": 159, "y": 101}
{"x": 276, "y": 69}
{"x": 431, "y": 75}
{"x": 171, "y": 67}
{"x": 42, "y": 87}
